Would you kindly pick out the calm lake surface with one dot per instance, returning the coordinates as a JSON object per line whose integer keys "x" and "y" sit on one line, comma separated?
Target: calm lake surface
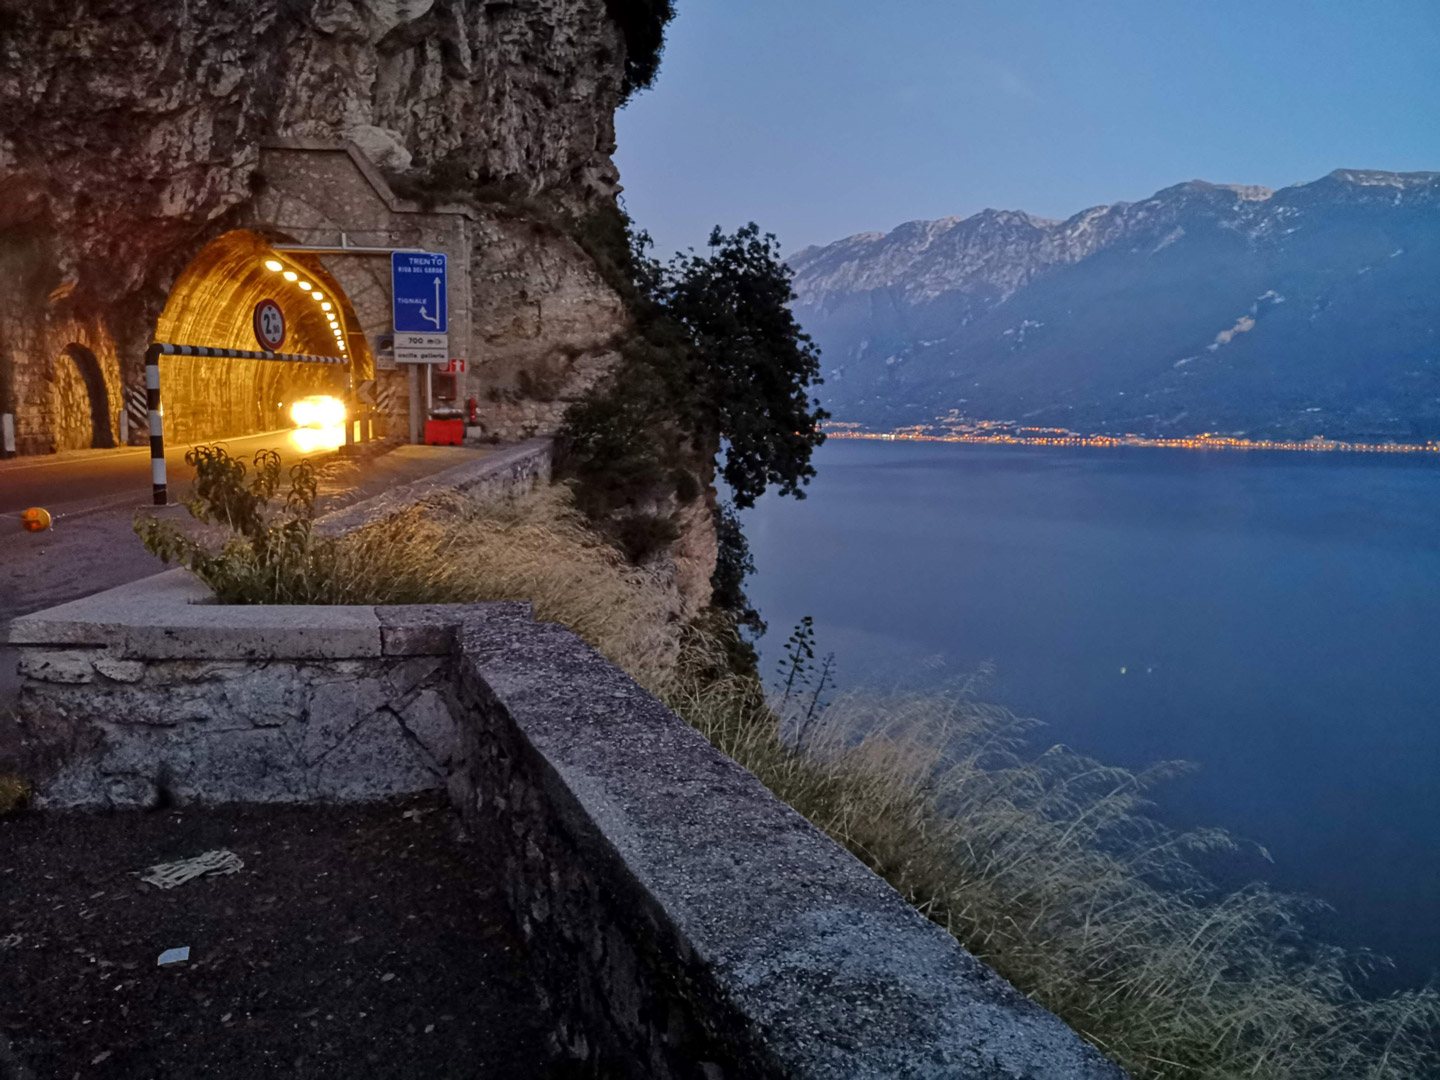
{"x": 1273, "y": 617}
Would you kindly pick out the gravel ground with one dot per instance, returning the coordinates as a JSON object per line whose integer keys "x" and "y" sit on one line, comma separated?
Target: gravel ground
{"x": 355, "y": 942}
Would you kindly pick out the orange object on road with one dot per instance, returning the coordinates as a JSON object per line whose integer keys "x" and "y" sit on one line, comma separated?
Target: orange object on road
{"x": 35, "y": 519}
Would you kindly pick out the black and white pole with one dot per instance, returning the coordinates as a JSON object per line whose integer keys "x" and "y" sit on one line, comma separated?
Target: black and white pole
{"x": 157, "y": 429}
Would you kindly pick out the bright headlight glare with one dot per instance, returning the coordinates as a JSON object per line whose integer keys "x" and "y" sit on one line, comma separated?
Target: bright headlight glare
{"x": 318, "y": 411}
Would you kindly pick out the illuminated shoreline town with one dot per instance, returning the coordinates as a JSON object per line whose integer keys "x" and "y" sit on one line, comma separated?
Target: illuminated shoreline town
{"x": 1007, "y": 433}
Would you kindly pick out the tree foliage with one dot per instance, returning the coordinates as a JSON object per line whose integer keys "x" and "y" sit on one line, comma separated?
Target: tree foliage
{"x": 716, "y": 362}
{"x": 757, "y": 365}
{"x": 642, "y": 23}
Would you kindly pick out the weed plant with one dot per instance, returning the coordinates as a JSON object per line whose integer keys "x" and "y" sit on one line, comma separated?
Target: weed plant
{"x": 1049, "y": 867}
{"x": 1052, "y": 870}
{"x": 14, "y": 795}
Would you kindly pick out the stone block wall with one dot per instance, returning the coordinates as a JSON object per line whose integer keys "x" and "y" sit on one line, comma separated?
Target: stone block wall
{"x": 682, "y": 922}
{"x": 138, "y": 733}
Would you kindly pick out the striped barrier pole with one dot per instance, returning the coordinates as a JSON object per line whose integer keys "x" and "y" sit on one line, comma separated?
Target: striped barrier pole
{"x": 157, "y": 428}
{"x": 152, "y": 392}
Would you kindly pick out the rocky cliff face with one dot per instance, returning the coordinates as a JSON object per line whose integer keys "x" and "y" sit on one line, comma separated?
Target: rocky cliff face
{"x": 131, "y": 134}
{"x": 1205, "y": 307}
{"x": 126, "y": 126}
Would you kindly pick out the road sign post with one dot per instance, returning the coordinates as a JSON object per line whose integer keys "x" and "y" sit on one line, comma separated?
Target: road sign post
{"x": 420, "y": 307}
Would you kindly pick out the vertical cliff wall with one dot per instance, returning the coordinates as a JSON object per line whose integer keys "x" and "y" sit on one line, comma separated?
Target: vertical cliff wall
{"x": 131, "y": 133}
{"x": 134, "y": 134}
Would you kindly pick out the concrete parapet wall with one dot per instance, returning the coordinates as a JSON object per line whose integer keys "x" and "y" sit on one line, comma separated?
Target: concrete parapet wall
{"x": 687, "y": 922}
{"x": 683, "y": 921}
{"x": 511, "y": 470}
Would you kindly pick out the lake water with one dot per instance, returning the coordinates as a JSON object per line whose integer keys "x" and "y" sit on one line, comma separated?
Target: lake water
{"x": 1273, "y": 617}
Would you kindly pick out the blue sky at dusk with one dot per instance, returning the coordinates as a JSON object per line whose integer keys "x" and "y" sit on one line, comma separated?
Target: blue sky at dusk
{"x": 822, "y": 118}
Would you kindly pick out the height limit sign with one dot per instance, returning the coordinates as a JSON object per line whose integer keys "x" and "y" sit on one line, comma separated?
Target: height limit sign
{"x": 421, "y": 307}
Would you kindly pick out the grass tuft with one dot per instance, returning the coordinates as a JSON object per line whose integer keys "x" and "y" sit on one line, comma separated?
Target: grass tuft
{"x": 1051, "y": 869}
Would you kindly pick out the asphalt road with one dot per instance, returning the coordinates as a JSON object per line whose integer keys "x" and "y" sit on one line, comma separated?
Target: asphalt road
{"x": 89, "y": 479}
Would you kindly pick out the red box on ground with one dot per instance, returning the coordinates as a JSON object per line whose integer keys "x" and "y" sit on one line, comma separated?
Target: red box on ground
{"x": 444, "y": 432}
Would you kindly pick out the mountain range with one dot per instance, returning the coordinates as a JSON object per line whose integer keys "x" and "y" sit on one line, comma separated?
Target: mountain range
{"x": 1309, "y": 310}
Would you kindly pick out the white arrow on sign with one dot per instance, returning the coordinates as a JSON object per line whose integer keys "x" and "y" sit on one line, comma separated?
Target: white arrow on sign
{"x": 436, "y": 317}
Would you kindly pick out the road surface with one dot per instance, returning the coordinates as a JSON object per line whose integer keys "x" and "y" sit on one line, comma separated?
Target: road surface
{"x": 88, "y": 479}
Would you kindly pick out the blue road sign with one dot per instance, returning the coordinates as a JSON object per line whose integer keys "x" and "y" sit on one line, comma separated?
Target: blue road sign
{"x": 417, "y": 283}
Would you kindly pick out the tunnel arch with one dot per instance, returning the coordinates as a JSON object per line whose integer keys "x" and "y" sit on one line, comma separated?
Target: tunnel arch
{"x": 213, "y": 303}
{"x": 81, "y": 424}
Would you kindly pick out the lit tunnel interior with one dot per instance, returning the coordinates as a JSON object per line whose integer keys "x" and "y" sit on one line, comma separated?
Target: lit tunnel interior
{"x": 214, "y": 303}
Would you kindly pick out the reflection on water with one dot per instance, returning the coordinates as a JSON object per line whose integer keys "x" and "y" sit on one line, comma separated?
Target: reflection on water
{"x": 310, "y": 439}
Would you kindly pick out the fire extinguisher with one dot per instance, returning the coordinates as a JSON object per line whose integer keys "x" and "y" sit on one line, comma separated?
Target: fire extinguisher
{"x": 471, "y": 406}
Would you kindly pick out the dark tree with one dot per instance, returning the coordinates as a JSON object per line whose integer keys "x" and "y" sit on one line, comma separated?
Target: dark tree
{"x": 753, "y": 364}
{"x": 642, "y": 23}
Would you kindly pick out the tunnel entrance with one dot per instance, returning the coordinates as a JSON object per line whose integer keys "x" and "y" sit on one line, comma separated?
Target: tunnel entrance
{"x": 83, "y": 405}
{"x": 240, "y": 295}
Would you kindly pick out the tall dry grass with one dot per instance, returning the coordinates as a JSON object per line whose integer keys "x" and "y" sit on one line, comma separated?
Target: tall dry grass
{"x": 451, "y": 549}
{"x": 1047, "y": 866}
{"x": 1052, "y": 870}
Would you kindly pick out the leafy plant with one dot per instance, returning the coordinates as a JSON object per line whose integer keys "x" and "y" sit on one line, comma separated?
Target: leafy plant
{"x": 799, "y": 661}
{"x": 14, "y": 794}
{"x": 715, "y": 364}
{"x": 642, "y": 23}
{"x": 733, "y": 565}
{"x": 268, "y": 557}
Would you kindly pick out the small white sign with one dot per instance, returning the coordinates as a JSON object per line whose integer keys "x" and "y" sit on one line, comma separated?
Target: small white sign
{"x": 422, "y": 341}
{"x": 422, "y": 348}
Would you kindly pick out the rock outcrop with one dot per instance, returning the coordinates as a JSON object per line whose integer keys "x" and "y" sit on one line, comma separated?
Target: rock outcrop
{"x": 132, "y": 133}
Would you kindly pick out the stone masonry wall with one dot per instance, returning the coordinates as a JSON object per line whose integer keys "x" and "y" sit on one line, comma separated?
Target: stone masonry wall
{"x": 682, "y": 921}
{"x": 135, "y": 733}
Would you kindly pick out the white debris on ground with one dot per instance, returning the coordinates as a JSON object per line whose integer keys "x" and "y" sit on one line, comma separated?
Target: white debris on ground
{"x": 174, "y": 956}
{"x": 169, "y": 875}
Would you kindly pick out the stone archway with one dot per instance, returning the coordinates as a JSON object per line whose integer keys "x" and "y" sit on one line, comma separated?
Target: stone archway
{"x": 77, "y": 402}
{"x": 102, "y": 437}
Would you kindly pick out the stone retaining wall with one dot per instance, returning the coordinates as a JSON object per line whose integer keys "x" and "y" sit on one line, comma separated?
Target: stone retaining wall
{"x": 683, "y": 921}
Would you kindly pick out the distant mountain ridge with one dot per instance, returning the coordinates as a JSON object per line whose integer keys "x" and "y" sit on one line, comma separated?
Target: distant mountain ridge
{"x": 1309, "y": 310}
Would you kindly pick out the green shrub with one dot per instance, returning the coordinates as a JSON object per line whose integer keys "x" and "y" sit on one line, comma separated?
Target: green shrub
{"x": 642, "y": 24}
{"x": 714, "y": 363}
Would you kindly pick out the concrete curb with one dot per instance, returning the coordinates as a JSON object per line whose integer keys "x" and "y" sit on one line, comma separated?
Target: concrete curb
{"x": 511, "y": 470}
